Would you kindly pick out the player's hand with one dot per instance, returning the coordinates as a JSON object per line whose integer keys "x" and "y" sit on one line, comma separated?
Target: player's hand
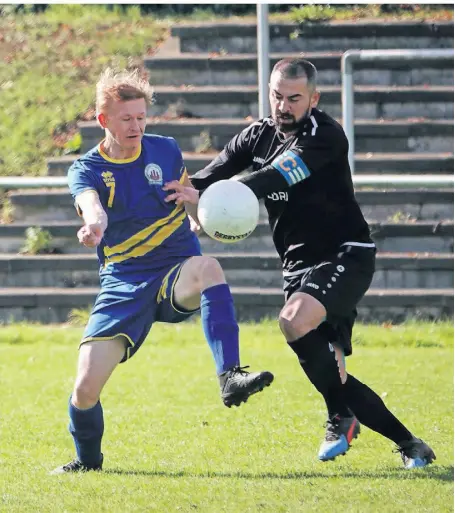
{"x": 181, "y": 194}
{"x": 90, "y": 235}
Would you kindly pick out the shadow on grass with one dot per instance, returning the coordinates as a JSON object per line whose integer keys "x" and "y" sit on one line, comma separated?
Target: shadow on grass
{"x": 442, "y": 473}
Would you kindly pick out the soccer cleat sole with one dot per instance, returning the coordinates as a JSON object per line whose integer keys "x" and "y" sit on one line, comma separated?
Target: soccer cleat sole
{"x": 342, "y": 453}
{"x": 238, "y": 399}
{"x": 421, "y": 462}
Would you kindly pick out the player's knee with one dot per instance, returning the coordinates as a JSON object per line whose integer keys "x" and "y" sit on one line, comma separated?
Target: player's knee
{"x": 85, "y": 394}
{"x": 293, "y": 327}
{"x": 209, "y": 272}
{"x": 297, "y": 318}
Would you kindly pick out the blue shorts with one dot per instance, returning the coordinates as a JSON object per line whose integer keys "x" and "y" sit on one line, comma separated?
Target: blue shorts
{"x": 130, "y": 309}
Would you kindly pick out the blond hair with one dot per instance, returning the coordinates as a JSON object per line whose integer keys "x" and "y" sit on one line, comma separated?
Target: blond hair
{"x": 121, "y": 86}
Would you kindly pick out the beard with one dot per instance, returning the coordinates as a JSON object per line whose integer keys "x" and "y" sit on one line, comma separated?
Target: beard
{"x": 288, "y": 123}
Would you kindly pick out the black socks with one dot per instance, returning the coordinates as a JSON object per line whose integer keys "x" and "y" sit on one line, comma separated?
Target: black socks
{"x": 320, "y": 365}
{"x": 318, "y": 361}
{"x": 371, "y": 411}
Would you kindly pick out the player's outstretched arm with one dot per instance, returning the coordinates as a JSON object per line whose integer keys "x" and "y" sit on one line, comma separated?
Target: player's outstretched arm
{"x": 95, "y": 218}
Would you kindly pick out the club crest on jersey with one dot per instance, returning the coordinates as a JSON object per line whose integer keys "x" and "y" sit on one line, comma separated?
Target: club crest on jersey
{"x": 154, "y": 174}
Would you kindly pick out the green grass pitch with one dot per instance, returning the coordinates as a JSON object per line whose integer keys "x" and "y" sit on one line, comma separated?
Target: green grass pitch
{"x": 170, "y": 445}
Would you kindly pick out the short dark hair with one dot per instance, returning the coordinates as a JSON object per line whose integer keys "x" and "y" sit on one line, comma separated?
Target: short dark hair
{"x": 297, "y": 68}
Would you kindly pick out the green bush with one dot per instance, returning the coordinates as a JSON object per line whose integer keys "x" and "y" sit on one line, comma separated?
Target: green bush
{"x": 6, "y": 208}
{"x": 37, "y": 240}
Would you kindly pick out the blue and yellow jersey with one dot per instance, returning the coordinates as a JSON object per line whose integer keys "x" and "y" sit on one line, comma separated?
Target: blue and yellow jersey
{"x": 144, "y": 233}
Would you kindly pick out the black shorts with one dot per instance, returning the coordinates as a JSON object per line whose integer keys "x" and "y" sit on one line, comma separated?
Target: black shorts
{"x": 339, "y": 283}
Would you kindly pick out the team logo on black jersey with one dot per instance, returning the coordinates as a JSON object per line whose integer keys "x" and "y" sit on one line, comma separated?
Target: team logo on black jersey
{"x": 154, "y": 174}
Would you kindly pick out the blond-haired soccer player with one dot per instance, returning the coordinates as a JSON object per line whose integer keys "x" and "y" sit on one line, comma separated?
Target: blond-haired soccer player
{"x": 151, "y": 267}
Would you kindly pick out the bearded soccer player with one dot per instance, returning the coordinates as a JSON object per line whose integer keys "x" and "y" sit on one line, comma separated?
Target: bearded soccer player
{"x": 299, "y": 161}
{"x": 151, "y": 267}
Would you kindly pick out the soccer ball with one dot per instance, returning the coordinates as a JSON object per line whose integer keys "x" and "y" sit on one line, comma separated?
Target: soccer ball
{"x": 228, "y": 211}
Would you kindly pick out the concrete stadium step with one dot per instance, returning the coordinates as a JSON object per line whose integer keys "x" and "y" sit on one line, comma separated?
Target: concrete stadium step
{"x": 419, "y": 236}
{"x": 393, "y": 270}
{"x": 376, "y": 163}
{"x": 379, "y": 163}
{"x": 58, "y": 166}
{"x": 417, "y": 204}
{"x": 53, "y": 304}
{"x": 241, "y": 69}
{"x": 314, "y": 37}
{"x": 45, "y": 205}
{"x": 371, "y": 102}
{"x": 413, "y": 135}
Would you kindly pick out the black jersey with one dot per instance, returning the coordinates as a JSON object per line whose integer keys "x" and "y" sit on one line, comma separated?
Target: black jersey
{"x": 312, "y": 218}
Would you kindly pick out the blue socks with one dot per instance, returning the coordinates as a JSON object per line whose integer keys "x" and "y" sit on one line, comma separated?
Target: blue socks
{"x": 220, "y": 327}
{"x": 86, "y": 428}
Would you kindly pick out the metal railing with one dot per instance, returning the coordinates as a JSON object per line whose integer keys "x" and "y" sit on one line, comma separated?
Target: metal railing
{"x": 32, "y": 182}
{"x": 385, "y": 181}
{"x": 263, "y": 58}
{"x": 348, "y": 60}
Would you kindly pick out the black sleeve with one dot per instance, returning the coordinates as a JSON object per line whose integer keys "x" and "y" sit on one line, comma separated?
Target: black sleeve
{"x": 265, "y": 181}
{"x": 313, "y": 153}
{"x": 236, "y": 156}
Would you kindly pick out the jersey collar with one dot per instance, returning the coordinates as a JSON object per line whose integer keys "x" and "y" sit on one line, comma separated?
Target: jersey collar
{"x": 119, "y": 161}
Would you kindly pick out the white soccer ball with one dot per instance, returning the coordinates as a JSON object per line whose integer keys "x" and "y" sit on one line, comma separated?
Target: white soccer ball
{"x": 228, "y": 211}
